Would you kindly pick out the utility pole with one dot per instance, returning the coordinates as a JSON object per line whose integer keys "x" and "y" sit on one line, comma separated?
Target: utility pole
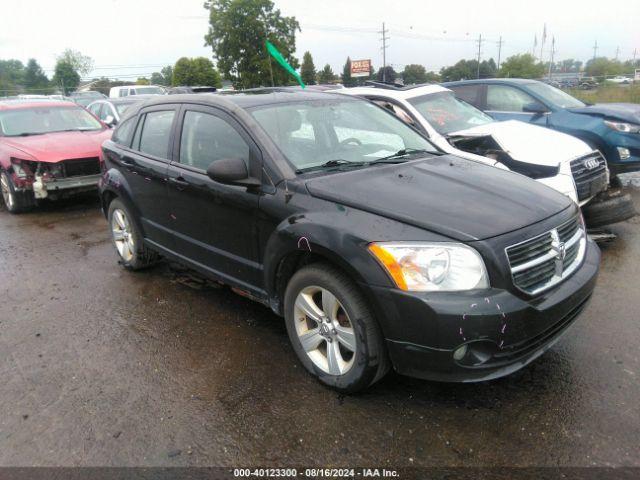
{"x": 479, "y": 53}
{"x": 384, "y": 52}
{"x": 617, "y": 52}
{"x": 553, "y": 51}
{"x": 595, "y": 49}
{"x": 500, "y": 42}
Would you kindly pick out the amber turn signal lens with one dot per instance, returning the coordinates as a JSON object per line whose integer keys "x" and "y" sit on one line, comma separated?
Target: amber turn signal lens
{"x": 390, "y": 264}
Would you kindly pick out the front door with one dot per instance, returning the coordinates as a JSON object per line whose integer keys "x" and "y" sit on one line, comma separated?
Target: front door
{"x": 505, "y": 102}
{"x": 214, "y": 225}
{"x": 145, "y": 165}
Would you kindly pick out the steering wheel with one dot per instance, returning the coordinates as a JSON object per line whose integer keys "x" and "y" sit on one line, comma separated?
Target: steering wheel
{"x": 349, "y": 140}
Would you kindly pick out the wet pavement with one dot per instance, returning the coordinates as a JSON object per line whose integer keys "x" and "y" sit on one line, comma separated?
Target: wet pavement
{"x": 101, "y": 366}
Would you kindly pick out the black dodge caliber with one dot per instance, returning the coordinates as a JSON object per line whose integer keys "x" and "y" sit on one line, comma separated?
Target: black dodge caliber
{"x": 376, "y": 248}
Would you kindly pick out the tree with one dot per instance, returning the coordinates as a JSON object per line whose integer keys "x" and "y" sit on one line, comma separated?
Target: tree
{"x": 413, "y": 74}
{"x": 34, "y": 78}
{"x": 522, "y": 66}
{"x": 346, "y": 73}
{"x": 11, "y": 77}
{"x": 387, "y": 74}
{"x": 66, "y": 77}
{"x": 237, "y": 33}
{"x": 195, "y": 71}
{"x": 308, "y": 69}
{"x": 103, "y": 85}
{"x": 157, "y": 79}
{"x": 143, "y": 81}
{"x": 82, "y": 64}
{"x": 467, "y": 69}
{"x": 326, "y": 75}
{"x": 602, "y": 66}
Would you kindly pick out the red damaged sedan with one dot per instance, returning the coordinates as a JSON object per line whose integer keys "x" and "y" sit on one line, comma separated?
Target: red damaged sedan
{"x": 48, "y": 149}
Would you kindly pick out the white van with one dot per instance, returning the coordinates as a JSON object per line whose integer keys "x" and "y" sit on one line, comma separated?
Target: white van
{"x": 128, "y": 90}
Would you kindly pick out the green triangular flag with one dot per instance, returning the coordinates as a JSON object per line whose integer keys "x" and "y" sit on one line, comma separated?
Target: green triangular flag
{"x": 280, "y": 59}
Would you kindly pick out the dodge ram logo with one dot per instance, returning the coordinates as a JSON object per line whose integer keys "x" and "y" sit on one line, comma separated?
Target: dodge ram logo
{"x": 561, "y": 249}
{"x": 591, "y": 163}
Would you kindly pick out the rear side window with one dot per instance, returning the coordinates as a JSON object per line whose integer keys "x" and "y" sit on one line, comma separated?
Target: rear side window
{"x": 122, "y": 134}
{"x": 206, "y": 138}
{"x": 123, "y": 92}
{"x": 502, "y": 98}
{"x": 155, "y": 133}
{"x": 469, "y": 93}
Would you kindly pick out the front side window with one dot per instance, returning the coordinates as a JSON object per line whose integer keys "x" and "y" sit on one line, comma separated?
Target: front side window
{"x": 503, "y": 98}
{"x": 206, "y": 138}
{"x": 346, "y": 130}
{"x": 447, "y": 114}
{"x": 155, "y": 133}
{"x": 40, "y": 120}
{"x": 122, "y": 134}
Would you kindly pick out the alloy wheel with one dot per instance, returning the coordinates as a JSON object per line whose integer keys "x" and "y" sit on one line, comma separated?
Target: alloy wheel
{"x": 7, "y": 194}
{"x": 122, "y": 234}
{"x": 325, "y": 330}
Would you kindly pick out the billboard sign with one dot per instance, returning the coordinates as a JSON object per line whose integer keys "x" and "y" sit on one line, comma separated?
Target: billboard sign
{"x": 360, "y": 68}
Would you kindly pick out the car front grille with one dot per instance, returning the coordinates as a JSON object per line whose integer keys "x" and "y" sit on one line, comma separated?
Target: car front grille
{"x": 541, "y": 262}
{"x": 81, "y": 166}
{"x": 589, "y": 174}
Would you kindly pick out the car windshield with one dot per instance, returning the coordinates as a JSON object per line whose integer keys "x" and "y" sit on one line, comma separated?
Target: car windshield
{"x": 337, "y": 131}
{"x": 555, "y": 96}
{"x": 447, "y": 114}
{"x": 149, "y": 91}
{"x": 38, "y": 120}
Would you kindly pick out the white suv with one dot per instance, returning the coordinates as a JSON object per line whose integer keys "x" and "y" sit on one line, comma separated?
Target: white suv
{"x": 459, "y": 128}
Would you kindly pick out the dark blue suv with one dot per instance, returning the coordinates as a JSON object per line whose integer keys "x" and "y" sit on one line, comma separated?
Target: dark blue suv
{"x": 612, "y": 128}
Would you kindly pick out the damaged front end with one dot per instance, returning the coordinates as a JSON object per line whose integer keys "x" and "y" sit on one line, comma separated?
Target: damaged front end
{"x": 55, "y": 180}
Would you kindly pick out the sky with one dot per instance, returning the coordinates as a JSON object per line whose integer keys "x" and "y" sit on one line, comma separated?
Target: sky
{"x": 131, "y": 38}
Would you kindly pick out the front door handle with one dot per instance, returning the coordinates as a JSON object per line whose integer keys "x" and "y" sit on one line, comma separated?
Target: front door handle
{"x": 179, "y": 182}
{"x": 127, "y": 163}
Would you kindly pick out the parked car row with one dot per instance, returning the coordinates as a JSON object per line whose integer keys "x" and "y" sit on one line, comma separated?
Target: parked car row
{"x": 389, "y": 227}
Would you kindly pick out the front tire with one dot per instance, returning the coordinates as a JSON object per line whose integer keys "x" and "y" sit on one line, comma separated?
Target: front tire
{"x": 332, "y": 329}
{"x": 15, "y": 202}
{"x": 127, "y": 238}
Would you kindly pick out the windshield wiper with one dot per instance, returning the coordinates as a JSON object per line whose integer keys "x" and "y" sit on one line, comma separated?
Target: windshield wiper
{"x": 27, "y": 134}
{"x": 332, "y": 163}
{"x": 79, "y": 129}
{"x": 397, "y": 157}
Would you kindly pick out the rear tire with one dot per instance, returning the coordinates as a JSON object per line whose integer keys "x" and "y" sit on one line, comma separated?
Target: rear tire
{"x": 15, "y": 202}
{"x": 332, "y": 329}
{"x": 127, "y": 238}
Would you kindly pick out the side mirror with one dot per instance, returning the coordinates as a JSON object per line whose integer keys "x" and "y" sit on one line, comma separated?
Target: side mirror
{"x": 231, "y": 171}
{"x": 110, "y": 120}
{"x": 534, "y": 107}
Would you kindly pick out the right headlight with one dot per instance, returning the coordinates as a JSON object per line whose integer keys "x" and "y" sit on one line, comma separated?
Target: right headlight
{"x": 623, "y": 126}
{"x": 431, "y": 267}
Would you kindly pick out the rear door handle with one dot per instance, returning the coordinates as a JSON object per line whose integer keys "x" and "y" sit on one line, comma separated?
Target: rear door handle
{"x": 179, "y": 182}
{"x": 127, "y": 163}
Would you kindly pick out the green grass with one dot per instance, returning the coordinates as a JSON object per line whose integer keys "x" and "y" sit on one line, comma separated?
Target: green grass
{"x": 609, "y": 94}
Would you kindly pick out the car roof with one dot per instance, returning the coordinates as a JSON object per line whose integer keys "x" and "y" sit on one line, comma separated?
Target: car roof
{"x": 127, "y": 99}
{"x": 244, "y": 99}
{"x": 26, "y": 103}
{"x": 400, "y": 94}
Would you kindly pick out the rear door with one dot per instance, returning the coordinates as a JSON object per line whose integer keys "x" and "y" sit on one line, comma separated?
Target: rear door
{"x": 145, "y": 166}
{"x": 214, "y": 225}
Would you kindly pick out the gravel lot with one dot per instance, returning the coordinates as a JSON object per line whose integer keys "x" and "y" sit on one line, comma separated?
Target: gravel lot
{"x": 100, "y": 366}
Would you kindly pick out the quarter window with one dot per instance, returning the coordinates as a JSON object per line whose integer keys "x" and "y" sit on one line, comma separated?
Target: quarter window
{"x": 502, "y": 98}
{"x": 207, "y": 138}
{"x": 156, "y": 130}
{"x": 469, "y": 93}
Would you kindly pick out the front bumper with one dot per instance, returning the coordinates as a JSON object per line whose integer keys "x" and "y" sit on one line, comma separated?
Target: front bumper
{"x": 503, "y": 332}
{"x": 42, "y": 188}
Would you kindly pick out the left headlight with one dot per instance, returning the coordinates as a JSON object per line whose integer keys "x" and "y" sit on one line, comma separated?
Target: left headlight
{"x": 623, "y": 127}
{"x": 431, "y": 267}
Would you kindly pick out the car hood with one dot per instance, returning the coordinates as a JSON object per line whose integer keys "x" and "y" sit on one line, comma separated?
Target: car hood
{"x": 448, "y": 195}
{"x": 530, "y": 143}
{"x": 626, "y": 112}
{"x": 57, "y": 146}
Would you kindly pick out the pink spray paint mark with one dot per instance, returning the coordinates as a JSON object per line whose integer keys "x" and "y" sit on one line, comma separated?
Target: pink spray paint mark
{"x": 501, "y": 343}
{"x": 302, "y": 241}
{"x": 464, "y": 316}
{"x": 474, "y": 305}
{"x": 498, "y": 305}
{"x": 504, "y": 315}
{"x": 486, "y": 300}
{"x": 503, "y": 328}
